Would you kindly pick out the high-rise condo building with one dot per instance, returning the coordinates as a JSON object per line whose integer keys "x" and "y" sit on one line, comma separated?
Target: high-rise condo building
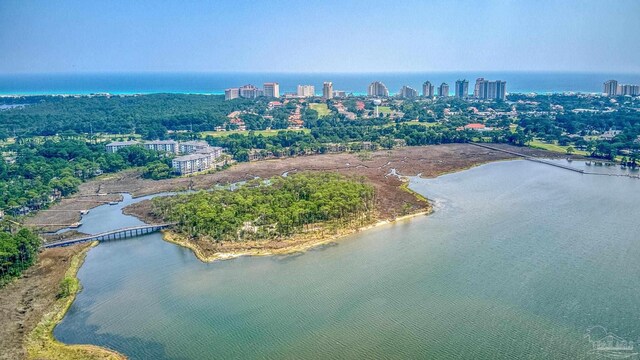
{"x": 306, "y": 91}
{"x": 462, "y": 89}
{"x": 272, "y": 89}
{"x": 339, "y": 94}
{"x": 611, "y": 88}
{"x": 477, "y": 89}
{"x": 632, "y": 90}
{"x": 427, "y": 89}
{"x": 407, "y": 92}
{"x": 377, "y": 88}
{"x": 327, "y": 90}
{"x": 443, "y": 90}
{"x": 485, "y": 89}
{"x": 232, "y": 93}
{"x": 250, "y": 92}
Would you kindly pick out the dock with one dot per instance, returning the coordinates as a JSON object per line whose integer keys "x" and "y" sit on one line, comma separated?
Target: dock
{"x": 530, "y": 158}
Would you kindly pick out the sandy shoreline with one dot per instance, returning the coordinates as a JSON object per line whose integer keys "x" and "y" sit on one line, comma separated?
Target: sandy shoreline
{"x": 295, "y": 247}
{"x": 41, "y": 344}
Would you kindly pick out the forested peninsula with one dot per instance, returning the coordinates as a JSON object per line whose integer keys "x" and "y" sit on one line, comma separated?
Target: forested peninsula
{"x": 276, "y": 215}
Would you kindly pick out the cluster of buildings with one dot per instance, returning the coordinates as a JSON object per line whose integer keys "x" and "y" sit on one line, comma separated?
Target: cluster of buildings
{"x": 306, "y": 91}
{"x": 612, "y": 88}
{"x": 484, "y": 89}
{"x": 194, "y": 156}
{"x": 270, "y": 89}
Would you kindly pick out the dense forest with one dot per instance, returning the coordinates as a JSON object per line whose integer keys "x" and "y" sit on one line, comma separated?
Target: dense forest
{"x": 37, "y": 170}
{"x": 581, "y": 131}
{"x": 17, "y": 252}
{"x": 148, "y": 115}
{"x": 276, "y": 208}
{"x": 333, "y": 131}
{"x": 40, "y": 172}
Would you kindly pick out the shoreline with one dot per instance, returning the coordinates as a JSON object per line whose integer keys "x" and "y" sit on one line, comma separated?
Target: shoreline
{"x": 177, "y": 239}
{"x": 420, "y": 164}
{"x": 41, "y": 344}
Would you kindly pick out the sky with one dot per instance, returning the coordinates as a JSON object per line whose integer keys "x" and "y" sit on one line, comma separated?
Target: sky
{"x": 73, "y": 36}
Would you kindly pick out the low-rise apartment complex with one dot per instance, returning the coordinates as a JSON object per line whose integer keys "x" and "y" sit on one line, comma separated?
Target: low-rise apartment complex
{"x": 114, "y": 146}
{"x": 170, "y": 146}
{"x": 196, "y": 155}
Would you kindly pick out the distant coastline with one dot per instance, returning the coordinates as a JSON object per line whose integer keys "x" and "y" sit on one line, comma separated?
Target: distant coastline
{"x": 215, "y": 83}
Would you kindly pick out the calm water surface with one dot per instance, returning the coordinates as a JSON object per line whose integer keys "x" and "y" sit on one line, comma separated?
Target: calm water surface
{"x": 517, "y": 262}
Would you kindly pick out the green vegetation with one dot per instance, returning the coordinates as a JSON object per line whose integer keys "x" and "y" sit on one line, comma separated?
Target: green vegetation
{"x": 41, "y": 344}
{"x": 37, "y": 172}
{"x": 567, "y": 149}
{"x": 17, "y": 252}
{"x": 593, "y": 125}
{"x": 52, "y": 144}
{"x": 384, "y": 110}
{"x": 321, "y": 108}
{"x": 273, "y": 209}
{"x": 247, "y": 132}
{"x": 149, "y": 115}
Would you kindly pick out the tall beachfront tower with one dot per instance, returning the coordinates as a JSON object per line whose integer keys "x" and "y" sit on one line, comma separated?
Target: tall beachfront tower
{"x": 611, "y": 88}
{"x": 427, "y": 90}
{"x": 306, "y": 91}
{"x": 443, "y": 90}
{"x": 377, "y": 88}
{"x": 327, "y": 90}
{"x": 272, "y": 89}
{"x": 462, "y": 89}
{"x": 485, "y": 89}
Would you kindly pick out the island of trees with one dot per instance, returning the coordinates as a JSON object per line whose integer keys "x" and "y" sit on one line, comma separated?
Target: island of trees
{"x": 273, "y": 209}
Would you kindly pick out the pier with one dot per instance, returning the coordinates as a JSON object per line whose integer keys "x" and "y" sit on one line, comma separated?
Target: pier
{"x": 111, "y": 235}
{"x": 530, "y": 158}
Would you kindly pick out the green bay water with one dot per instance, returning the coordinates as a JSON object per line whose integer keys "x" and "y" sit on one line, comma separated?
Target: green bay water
{"x": 518, "y": 260}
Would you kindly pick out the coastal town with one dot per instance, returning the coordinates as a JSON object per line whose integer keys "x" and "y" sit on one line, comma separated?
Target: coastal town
{"x": 319, "y": 180}
{"x": 259, "y": 124}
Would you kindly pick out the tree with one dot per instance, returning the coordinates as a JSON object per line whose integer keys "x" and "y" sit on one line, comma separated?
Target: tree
{"x": 157, "y": 170}
{"x": 570, "y": 150}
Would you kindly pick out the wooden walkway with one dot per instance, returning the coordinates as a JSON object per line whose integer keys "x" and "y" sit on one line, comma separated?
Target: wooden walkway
{"x": 111, "y": 235}
{"x": 530, "y": 158}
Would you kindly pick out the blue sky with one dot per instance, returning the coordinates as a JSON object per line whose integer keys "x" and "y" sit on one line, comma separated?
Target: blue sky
{"x": 320, "y": 36}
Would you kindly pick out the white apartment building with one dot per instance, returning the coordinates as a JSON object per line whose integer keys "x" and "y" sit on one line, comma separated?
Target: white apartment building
{"x": 306, "y": 91}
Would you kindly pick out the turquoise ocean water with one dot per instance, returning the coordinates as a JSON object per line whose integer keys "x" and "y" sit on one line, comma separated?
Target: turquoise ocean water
{"x": 215, "y": 83}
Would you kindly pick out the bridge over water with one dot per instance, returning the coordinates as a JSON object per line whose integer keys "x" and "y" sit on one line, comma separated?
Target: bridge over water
{"x": 111, "y": 235}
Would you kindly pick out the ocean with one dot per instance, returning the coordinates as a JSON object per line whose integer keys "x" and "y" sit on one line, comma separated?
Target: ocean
{"x": 215, "y": 83}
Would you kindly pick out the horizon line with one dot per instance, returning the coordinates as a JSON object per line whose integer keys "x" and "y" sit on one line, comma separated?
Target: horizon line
{"x": 316, "y": 72}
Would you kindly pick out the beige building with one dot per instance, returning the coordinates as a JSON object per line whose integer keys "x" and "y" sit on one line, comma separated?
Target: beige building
{"x": 443, "y": 90}
{"x": 306, "y": 91}
{"x": 427, "y": 90}
{"x": 327, "y": 90}
{"x": 377, "y": 89}
{"x": 407, "y": 92}
{"x": 272, "y": 89}
{"x": 232, "y": 93}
